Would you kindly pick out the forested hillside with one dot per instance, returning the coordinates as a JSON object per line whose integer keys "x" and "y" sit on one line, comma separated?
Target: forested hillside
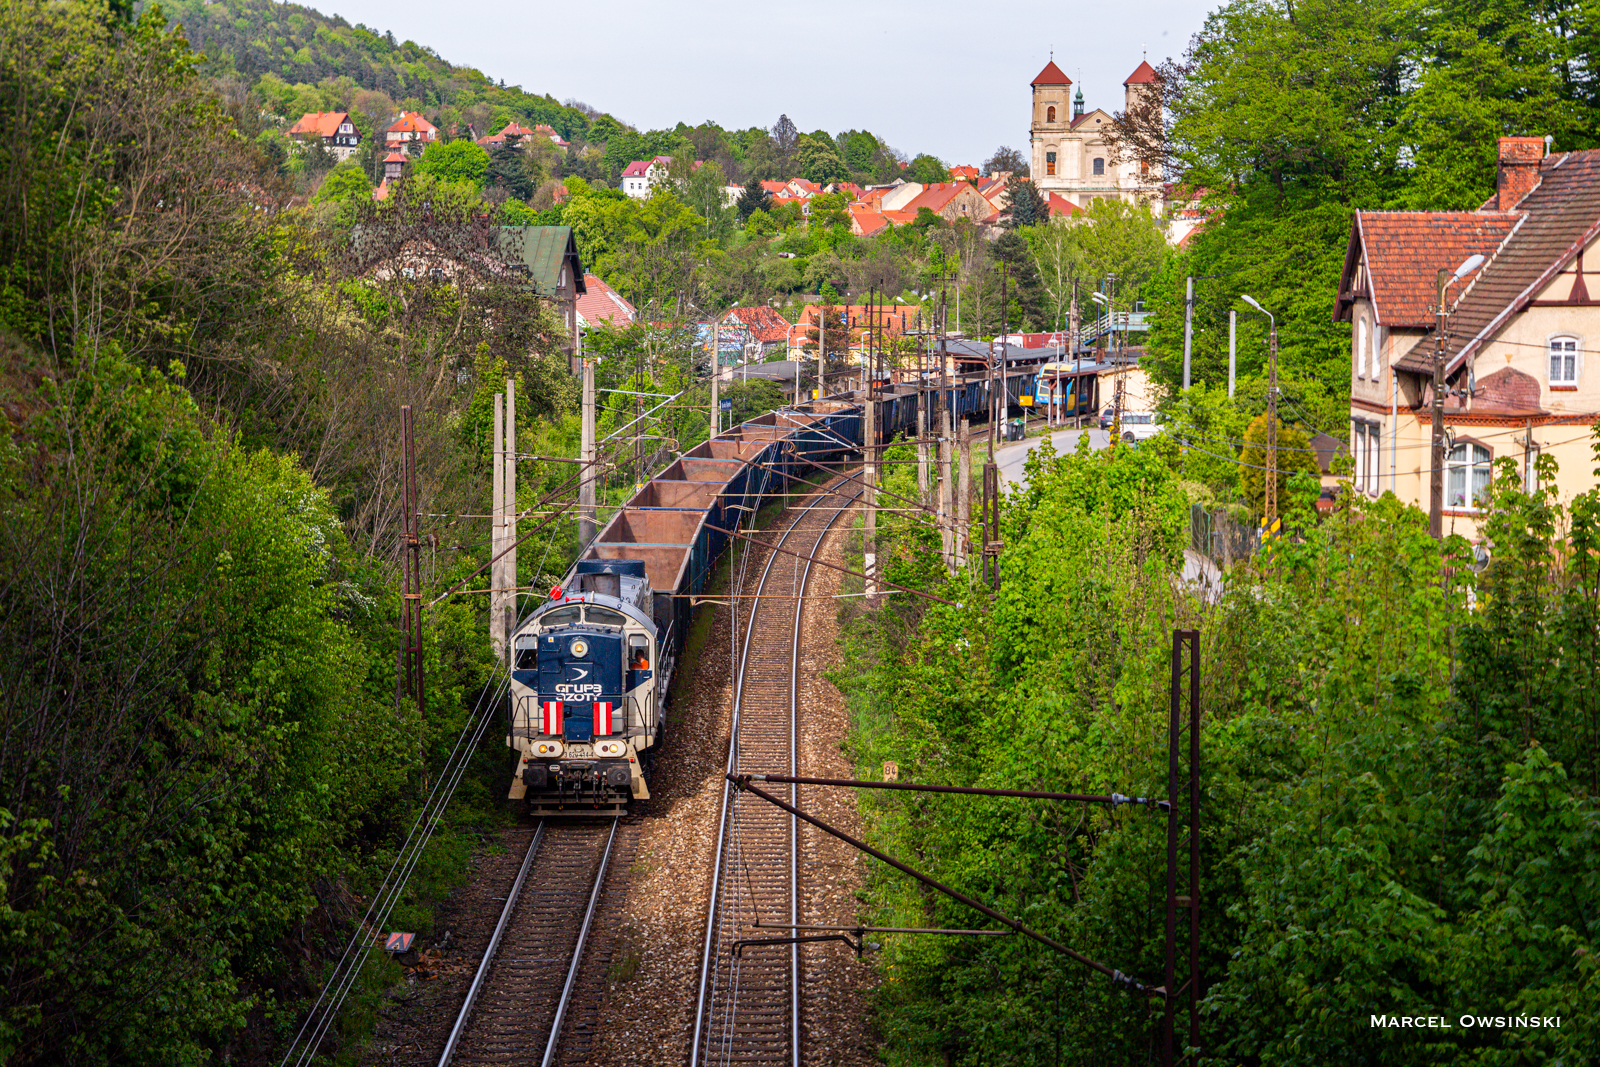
{"x": 288, "y": 59}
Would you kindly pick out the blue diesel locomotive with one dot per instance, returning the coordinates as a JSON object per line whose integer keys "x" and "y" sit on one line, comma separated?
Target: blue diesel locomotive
{"x": 585, "y": 695}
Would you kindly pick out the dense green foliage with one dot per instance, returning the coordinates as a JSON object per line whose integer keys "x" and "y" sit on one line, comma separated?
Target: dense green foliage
{"x": 1399, "y": 802}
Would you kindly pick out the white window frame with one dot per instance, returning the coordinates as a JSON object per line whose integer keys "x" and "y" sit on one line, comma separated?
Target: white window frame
{"x": 1466, "y": 466}
{"x": 1577, "y": 358}
{"x": 1362, "y": 332}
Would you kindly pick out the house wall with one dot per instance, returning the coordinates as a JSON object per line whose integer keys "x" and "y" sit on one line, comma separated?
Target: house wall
{"x": 1405, "y": 463}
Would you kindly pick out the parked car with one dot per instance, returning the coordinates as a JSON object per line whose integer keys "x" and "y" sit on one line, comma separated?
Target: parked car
{"x": 1107, "y": 417}
{"x": 1140, "y": 425}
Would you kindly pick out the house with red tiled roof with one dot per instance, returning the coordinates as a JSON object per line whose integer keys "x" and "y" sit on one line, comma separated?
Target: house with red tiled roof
{"x": 333, "y": 128}
{"x": 764, "y": 326}
{"x": 802, "y": 188}
{"x": 951, "y": 201}
{"x": 410, "y": 133}
{"x": 394, "y": 168}
{"x": 1521, "y": 316}
{"x": 1061, "y": 207}
{"x": 641, "y": 176}
{"x": 861, "y": 320}
{"x": 964, "y": 174}
{"x": 850, "y": 189}
{"x": 600, "y": 303}
{"x": 549, "y": 132}
{"x": 1070, "y": 152}
{"x": 511, "y": 129}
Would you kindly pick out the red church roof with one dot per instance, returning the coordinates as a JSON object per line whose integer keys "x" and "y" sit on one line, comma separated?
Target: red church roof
{"x": 1145, "y": 74}
{"x": 1051, "y": 75}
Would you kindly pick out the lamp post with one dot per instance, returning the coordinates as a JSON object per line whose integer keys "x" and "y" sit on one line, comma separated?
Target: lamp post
{"x": 1436, "y": 478}
{"x": 1116, "y": 396}
{"x": 1272, "y": 411}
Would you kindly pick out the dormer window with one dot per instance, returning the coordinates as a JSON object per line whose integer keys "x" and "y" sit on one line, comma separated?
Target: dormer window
{"x": 1050, "y": 114}
{"x": 1563, "y": 361}
{"x": 1099, "y": 166}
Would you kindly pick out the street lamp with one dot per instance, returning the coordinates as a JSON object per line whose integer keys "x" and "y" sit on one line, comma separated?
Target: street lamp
{"x": 1272, "y": 410}
{"x": 1436, "y": 481}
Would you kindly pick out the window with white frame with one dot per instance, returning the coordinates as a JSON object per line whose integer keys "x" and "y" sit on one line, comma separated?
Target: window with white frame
{"x": 1365, "y": 453}
{"x": 1361, "y": 347}
{"x": 1468, "y": 470}
{"x": 1564, "y": 361}
{"x": 1374, "y": 456}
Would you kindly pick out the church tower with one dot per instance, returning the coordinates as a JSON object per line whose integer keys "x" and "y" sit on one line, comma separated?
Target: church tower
{"x": 1052, "y": 119}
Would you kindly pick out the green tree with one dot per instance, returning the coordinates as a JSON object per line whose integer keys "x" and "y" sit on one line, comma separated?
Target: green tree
{"x": 1025, "y": 205}
{"x": 1294, "y": 454}
{"x": 344, "y": 182}
{"x": 753, "y": 198}
{"x": 1121, "y": 238}
{"x": 457, "y": 161}
{"x": 819, "y": 161}
{"x": 927, "y": 170}
{"x": 504, "y": 168}
{"x": 830, "y": 209}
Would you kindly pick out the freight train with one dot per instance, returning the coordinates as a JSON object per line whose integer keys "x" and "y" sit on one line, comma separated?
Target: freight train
{"x": 592, "y": 665}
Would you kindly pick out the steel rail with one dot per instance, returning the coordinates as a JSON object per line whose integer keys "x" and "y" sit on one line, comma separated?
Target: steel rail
{"x": 727, "y": 789}
{"x": 489, "y": 953}
{"x": 577, "y": 950}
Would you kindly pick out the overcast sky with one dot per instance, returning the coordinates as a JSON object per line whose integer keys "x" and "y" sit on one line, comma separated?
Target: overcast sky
{"x": 943, "y": 76}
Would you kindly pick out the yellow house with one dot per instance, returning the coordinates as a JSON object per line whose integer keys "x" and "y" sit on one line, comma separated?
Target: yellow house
{"x": 1517, "y": 382}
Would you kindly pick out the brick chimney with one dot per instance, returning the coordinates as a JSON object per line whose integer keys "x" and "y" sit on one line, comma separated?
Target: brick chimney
{"x": 1518, "y": 171}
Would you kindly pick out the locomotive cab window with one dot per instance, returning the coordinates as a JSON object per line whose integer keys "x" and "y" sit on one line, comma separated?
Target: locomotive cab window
{"x": 603, "y": 616}
{"x": 638, "y": 653}
{"x": 562, "y": 616}
{"x": 527, "y": 654}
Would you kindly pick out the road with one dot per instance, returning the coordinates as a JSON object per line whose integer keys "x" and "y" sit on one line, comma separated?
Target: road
{"x": 1011, "y": 457}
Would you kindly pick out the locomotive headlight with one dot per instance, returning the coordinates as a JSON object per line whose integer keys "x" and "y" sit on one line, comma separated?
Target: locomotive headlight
{"x": 580, "y": 648}
{"x": 547, "y": 748}
{"x": 611, "y": 748}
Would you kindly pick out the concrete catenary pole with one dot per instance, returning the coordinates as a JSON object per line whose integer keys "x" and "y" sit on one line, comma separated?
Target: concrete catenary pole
{"x": 509, "y": 525}
{"x": 716, "y": 369}
{"x": 869, "y": 498}
{"x": 497, "y": 533}
{"x": 586, "y": 457}
{"x": 964, "y": 494}
{"x": 1188, "y": 327}
{"x": 1233, "y": 350}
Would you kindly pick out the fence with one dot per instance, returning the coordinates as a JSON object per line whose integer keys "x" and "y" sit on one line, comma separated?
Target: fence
{"x": 1221, "y": 537}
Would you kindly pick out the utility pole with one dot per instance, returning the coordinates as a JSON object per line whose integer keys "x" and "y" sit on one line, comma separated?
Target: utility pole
{"x": 963, "y": 531}
{"x": 508, "y": 605}
{"x": 497, "y": 527}
{"x": 716, "y": 371}
{"x": 822, "y": 347}
{"x": 923, "y": 493}
{"x": 586, "y": 457}
{"x": 869, "y": 496}
{"x": 1272, "y": 424}
{"x": 1233, "y": 349}
{"x": 1188, "y": 326}
{"x": 999, "y": 395}
{"x": 410, "y": 673}
{"x": 1436, "y": 475}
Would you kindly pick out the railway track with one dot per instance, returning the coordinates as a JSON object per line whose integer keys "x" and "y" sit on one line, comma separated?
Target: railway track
{"x": 748, "y": 1008}
{"x": 518, "y": 1000}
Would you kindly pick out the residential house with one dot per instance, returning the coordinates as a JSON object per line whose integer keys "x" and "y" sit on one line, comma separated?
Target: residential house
{"x": 549, "y": 132}
{"x": 964, "y": 174}
{"x": 950, "y": 201}
{"x": 410, "y": 133}
{"x": 600, "y": 303}
{"x": 1517, "y": 378}
{"x": 1070, "y": 153}
{"x": 511, "y": 130}
{"x": 548, "y": 255}
{"x": 394, "y": 168}
{"x": 766, "y": 327}
{"x": 333, "y": 128}
{"x": 640, "y": 177}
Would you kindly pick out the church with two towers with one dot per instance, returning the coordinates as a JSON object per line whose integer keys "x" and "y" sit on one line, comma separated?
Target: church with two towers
{"x": 1069, "y": 153}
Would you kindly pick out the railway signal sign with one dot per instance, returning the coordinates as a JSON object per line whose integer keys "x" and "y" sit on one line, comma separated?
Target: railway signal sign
{"x": 398, "y": 942}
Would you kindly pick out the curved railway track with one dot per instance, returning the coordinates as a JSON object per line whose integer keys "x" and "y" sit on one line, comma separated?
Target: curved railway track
{"x": 748, "y": 1009}
{"x": 518, "y": 1000}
